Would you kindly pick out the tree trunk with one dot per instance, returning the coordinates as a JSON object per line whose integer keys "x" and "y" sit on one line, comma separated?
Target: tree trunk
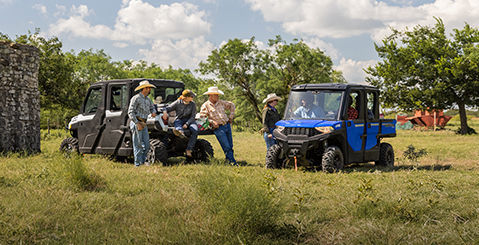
{"x": 251, "y": 98}
{"x": 462, "y": 115}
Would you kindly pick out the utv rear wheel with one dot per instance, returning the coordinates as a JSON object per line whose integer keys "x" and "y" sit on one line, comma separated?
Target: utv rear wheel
{"x": 386, "y": 155}
{"x": 203, "y": 151}
{"x": 157, "y": 152}
{"x": 69, "y": 145}
{"x": 332, "y": 160}
{"x": 273, "y": 157}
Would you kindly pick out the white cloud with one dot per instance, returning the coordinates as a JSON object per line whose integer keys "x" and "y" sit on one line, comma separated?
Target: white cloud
{"x": 184, "y": 53}
{"x": 139, "y": 22}
{"x": 347, "y": 18}
{"x": 353, "y": 71}
{"x": 326, "y": 47}
{"x": 61, "y": 10}
{"x": 77, "y": 26}
{"x": 40, "y": 7}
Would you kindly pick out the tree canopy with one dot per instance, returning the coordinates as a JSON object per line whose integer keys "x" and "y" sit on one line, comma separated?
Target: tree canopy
{"x": 251, "y": 73}
{"x": 424, "y": 69}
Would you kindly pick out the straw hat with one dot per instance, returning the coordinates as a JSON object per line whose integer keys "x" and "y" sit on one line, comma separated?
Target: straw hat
{"x": 144, "y": 84}
{"x": 188, "y": 93}
{"x": 214, "y": 90}
{"x": 271, "y": 97}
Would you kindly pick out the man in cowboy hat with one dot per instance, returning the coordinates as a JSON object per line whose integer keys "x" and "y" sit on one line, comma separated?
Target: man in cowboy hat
{"x": 215, "y": 110}
{"x": 140, "y": 107}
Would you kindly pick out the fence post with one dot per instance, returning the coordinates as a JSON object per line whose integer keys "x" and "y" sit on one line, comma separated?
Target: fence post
{"x": 48, "y": 125}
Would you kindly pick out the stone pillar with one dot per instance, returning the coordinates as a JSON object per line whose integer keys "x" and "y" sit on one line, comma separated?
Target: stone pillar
{"x": 19, "y": 98}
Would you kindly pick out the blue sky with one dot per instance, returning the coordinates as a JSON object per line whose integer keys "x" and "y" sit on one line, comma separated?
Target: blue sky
{"x": 182, "y": 33}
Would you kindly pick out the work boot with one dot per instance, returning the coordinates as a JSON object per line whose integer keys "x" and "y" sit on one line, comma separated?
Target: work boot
{"x": 179, "y": 133}
{"x": 188, "y": 153}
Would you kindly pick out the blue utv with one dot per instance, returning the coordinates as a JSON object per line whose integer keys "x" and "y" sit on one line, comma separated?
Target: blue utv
{"x": 330, "y": 126}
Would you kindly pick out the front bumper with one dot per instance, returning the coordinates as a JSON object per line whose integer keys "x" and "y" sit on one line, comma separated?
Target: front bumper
{"x": 298, "y": 143}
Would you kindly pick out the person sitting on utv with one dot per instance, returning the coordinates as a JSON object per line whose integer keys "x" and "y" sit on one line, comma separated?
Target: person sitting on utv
{"x": 185, "y": 110}
{"x": 308, "y": 110}
{"x": 352, "y": 112}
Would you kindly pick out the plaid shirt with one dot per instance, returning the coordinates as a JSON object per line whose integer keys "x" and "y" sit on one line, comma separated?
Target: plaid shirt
{"x": 217, "y": 112}
{"x": 352, "y": 113}
{"x": 140, "y": 106}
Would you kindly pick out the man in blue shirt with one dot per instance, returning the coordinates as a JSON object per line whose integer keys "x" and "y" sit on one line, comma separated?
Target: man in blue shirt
{"x": 140, "y": 107}
{"x": 308, "y": 110}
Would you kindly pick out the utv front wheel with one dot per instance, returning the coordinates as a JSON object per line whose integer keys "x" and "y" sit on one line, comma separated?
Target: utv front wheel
{"x": 69, "y": 145}
{"x": 203, "y": 151}
{"x": 273, "y": 157}
{"x": 386, "y": 155}
{"x": 157, "y": 152}
{"x": 332, "y": 160}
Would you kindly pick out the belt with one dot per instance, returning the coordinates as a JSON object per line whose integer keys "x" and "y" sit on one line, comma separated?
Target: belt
{"x": 141, "y": 119}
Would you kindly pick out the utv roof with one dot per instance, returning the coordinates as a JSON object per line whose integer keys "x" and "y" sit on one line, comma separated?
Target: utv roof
{"x": 136, "y": 81}
{"x": 334, "y": 86}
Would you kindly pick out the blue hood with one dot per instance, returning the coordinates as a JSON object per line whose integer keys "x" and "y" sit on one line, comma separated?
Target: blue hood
{"x": 308, "y": 123}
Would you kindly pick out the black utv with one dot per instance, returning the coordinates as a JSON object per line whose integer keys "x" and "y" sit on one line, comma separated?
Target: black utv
{"x": 102, "y": 127}
{"x": 330, "y": 126}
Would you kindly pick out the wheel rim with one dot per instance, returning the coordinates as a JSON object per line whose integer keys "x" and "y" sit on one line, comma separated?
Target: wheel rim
{"x": 151, "y": 156}
{"x": 336, "y": 160}
{"x": 389, "y": 158}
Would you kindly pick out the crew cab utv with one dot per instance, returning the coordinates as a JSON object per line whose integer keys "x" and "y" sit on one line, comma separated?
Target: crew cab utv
{"x": 102, "y": 127}
{"x": 330, "y": 126}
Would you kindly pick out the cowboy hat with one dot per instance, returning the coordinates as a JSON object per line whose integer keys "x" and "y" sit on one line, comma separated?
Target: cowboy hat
{"x": 271, "y": 97}
{"x": 144, "y": 84}
{"x": 213, "y": 90}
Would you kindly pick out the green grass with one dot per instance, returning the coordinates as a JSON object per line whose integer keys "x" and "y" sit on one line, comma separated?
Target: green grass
{"x": 49, "y": 198}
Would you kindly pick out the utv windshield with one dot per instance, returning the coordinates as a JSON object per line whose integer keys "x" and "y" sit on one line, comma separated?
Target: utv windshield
{"x": 313, "y": 104}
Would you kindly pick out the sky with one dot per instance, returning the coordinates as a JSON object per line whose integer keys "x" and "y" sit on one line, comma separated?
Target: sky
{"x": 183, "y": 33}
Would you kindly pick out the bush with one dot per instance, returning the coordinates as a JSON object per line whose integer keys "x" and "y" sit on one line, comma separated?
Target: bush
{"x": 79, "y": 177}
{"x": 241, "y": 207}
{"x": 413, "y": 155}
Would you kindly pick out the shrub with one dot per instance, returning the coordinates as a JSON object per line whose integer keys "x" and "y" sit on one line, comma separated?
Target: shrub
{"x": 240, "y": 206}
{"x": 413, "y": 155}
{"x": 79, "y": 177}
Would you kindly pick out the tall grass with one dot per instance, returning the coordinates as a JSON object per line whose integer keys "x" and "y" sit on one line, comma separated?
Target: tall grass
{"x": 50, "y": 198}
{"x": 79, "y": 177}
{"x": 241, "y": 208}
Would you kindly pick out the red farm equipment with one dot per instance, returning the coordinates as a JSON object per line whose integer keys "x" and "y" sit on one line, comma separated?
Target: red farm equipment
{"x": 426, "y": 118}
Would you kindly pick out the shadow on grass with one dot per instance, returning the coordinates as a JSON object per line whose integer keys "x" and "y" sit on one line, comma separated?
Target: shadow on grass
{"x": 372, "y": 168}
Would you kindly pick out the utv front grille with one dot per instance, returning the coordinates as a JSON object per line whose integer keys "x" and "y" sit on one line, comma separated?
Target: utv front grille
{"x": 301, "y": 131}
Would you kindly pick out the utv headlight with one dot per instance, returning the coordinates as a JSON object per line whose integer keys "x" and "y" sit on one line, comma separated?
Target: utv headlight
{"x": 280, "y": 128}
{"x": 325, "y": 130}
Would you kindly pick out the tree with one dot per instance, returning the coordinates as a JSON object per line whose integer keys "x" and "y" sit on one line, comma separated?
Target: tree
{"x": 423, "y": 69}
{"x": 252, "y": 73}
{"x": 296, "y": 63}
{"x": 55, "y": 71}
{"x": 238, "y": 64}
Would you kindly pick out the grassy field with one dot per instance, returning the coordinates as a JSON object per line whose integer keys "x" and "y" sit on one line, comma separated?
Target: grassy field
{"x": 50, "y": 198}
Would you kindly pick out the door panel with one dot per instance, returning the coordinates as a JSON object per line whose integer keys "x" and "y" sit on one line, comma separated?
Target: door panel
{"x": 115, "y": 119}
{"x": 355, "y": 126}
{"x": 371, "y": 152}
{"x": 89, "y": 131}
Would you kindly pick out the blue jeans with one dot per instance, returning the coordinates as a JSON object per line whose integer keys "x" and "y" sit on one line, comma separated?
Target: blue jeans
{"x": 269, "y": 141}
{"x": 193, "y": 129}
{"x": 141, "y": 143}
{"x": 223, "y": 134}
